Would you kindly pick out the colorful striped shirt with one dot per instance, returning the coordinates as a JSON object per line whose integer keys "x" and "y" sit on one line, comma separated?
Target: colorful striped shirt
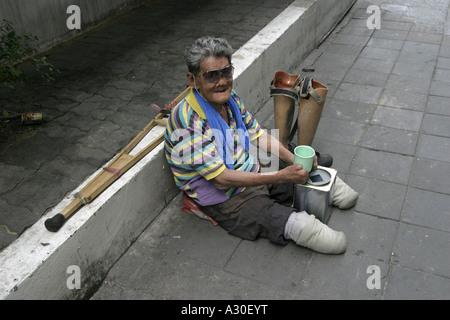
{"x": 191, "y": 150}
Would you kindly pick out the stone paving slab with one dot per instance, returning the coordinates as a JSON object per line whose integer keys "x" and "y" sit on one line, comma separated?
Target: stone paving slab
{"x": 386, "y": 124}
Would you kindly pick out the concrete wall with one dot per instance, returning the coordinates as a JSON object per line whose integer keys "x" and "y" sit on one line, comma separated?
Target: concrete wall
{"x": 35, "y": 265}
{"x": 47, "y": 18}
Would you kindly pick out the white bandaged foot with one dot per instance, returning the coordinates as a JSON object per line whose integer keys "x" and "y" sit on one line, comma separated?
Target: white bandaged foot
{"x": 319, "y": 237}
{"x": 341, "y": 195}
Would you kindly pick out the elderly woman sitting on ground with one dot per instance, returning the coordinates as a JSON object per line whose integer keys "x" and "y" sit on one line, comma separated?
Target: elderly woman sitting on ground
{"x": 207, "y": 145}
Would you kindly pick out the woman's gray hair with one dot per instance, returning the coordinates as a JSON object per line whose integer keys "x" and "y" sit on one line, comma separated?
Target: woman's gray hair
{"x": 206, "y": 47}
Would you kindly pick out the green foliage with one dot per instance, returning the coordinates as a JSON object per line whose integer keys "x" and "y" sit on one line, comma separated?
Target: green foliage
{"x": 15, "y": 49}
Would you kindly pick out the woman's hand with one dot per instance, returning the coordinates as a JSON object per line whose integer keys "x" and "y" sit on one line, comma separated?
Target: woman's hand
{"x": 294, "y": 174}
{"x": 235, "y": 178}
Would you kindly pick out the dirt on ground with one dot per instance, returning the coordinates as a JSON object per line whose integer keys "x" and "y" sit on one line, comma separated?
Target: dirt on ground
{"x": 12, "y": 131}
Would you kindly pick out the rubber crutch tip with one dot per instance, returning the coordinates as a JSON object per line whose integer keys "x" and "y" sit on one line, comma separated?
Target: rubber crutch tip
{"x": 55, "y": 223}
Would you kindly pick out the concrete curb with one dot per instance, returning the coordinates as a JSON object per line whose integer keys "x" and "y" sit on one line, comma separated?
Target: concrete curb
{"x": 37, "y": 265}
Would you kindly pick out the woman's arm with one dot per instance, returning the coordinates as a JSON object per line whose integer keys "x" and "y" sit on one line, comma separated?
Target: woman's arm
{"x": 235, "y": 178}
{"x": 292, "y": 173}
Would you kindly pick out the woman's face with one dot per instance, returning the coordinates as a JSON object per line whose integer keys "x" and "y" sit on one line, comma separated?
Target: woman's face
{"x": 215, "y": 90}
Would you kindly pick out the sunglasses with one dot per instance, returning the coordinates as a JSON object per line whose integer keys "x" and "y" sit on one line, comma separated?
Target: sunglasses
{"x": 213, "y": 76}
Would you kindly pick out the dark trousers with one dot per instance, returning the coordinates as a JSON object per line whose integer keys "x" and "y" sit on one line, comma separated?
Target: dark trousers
{"x": 261, "y": 211}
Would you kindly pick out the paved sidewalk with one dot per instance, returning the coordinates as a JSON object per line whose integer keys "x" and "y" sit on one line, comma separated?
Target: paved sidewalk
{"x": 386, "y": 122}
{"x": 100, "y": 101}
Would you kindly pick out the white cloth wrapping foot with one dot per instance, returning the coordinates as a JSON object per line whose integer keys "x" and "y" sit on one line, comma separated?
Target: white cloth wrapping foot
{"x": 341, "y": 195}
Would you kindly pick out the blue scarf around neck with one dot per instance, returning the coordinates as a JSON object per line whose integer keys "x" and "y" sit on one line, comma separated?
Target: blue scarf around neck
{"x": 226, "y": 146}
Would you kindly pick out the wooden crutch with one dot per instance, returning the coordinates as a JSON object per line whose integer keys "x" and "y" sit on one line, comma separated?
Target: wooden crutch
{"x": 113, "y": 170}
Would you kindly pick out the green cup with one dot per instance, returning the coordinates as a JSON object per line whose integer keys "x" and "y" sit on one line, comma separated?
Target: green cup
{"x": 304, "y": 155}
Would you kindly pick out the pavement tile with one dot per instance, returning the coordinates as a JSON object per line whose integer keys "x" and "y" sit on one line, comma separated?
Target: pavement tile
{"x": 123, "y": 118}
{"x": 183, "y": 240}
{"x": 7, "y": 236}
{"x": 348, "y": 110}
{"x": 397, "y": 118}
{"x": 445, "y": 40}
{"x": 445, "y": 51}
{"x": 357, "y": 31}
{"x": 322, "y": 282}
{"x": 416, "y": 52}
{"x": 382, "y": 165}
{"x": 431, "y": 175}
{"x": 423, "y": 249}
{"x": 397, "y": 25}
{"x": 385, "y": 43}
{"x": 343, "y": 154}
{"x": 376, "y": 65}
{"x": 407, "y": 284}
{"x": 436, "y": 125}
{"x": 404, "y": 92}
{"x": 438, "y": 105}
{"x": 51, "y": 112}
{"x": 428, "y": 209}
{"x": 11, "y": 175}
{"x": 433, "y": 147}
{"x": 59, "y": 129}
{"x": 390, "y": 34}
{"x": 354, "y": 40}
{"x": 39, "y": 147}
{"x": 99, "y": 134}
{"x": 357, "y": 92}
{"x": 442, "y": 75}
{"x": 339, "y": 131}
{"x": 343, "y": 51}
{"x": 411, "y": 85}
{"x": 368, "y": 78}
{"x": 83, "y": 123}
{"x": 398, "y": 98}
{"x": 380, "y": 53}
{"x": 38, "y": 200}
{"x": 431, "y": 38}
{"x": 390, "y": 139}
{"x": 355, "y": 22}
{"x": 109, "y": 291}
{"x": 440, "y": 88}
{"x": 367, "y": 235}
{"x": 266, "y": 267}
{"x": 90, "y": 106}
{"x": 338, "y": 59}
{"x": 379, "y": 198}
{"x": 115, "y": 93}
{"x": 80, "y": 152}
{"x": 67, "y": 169}
{"x": 69, "y": 94}
{"x": 423, "y": 70}
{"x": 329, "y": 71}
{"x": 14, "y": 219}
